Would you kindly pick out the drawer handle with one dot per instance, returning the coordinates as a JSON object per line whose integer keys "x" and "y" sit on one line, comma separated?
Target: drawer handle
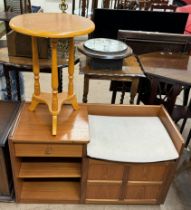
{"x": 48, "y": 150}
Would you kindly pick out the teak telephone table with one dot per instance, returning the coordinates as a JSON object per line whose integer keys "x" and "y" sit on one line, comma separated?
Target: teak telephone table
{"x": 62, "y": 169}
{"x": 53, "y": 26}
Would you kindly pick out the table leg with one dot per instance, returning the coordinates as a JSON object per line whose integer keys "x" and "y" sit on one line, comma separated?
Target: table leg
{"x": 134, "y": 88}
{"x": 35, "y": 60}
{"x": 73, "y": 6}
{"x": 123, "y": 93}
{"x": 8, "y": 81}
{"x": 86, "y": 89}
{"x": 54, "y": 86}
{"x": 71, "y": 75}
{"x": 18, "y": 85}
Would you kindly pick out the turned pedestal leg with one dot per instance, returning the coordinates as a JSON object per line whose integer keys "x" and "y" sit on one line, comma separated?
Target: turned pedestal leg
{"x": 54, "y": 86}
{"x": 55, "y": 100}
{"x": 35, "y": 60}
{"x": 71, "y": 75}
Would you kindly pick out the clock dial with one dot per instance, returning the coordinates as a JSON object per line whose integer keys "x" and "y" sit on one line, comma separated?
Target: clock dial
{"x": 105, "y": 45}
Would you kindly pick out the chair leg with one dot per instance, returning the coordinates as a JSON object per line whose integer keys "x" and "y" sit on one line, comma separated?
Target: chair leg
{"x": 186, "y": 117}
{"x": 186, "y": 95}
{"x": 183, "y": 125}
{"x": 122, "y": 97}
{"x": 188, "y": 139}
{"x": 113, "y": 98}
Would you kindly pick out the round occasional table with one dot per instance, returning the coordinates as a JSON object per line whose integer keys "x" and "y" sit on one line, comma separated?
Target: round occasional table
{"x": 53, "y": 26}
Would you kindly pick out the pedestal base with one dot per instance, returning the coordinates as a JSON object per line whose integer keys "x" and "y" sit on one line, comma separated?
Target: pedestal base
{"x": 54, "y": 110}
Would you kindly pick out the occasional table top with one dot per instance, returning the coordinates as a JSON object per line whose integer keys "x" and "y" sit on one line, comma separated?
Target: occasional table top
{"x": 130, "y": 68}
{"x": 172, "y": 66}
{"x": 52, "y": 25}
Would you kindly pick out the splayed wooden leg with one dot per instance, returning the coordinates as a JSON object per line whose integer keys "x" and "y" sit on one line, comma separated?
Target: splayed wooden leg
{"x": 33, "y": 105}
{"x": 54, "y": 125}
{"x": 74, "y": 103}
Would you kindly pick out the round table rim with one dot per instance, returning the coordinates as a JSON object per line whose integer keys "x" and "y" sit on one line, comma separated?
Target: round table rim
{"x": 49, "y": 34}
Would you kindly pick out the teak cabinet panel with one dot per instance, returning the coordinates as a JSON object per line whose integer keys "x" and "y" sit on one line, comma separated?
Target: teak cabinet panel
{"x": 99, "y": 171}
{"x": 147, "y": 172}
{"x": 49, "y": 150}
{"x": 143, "y": 191}
{"x": 128, "y": 182}
{"x": 103, "y": 190}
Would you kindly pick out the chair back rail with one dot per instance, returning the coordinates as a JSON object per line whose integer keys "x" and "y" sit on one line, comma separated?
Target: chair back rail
{"x": 145, "y": 42}
{"x": 18, "y": 6}
{"x": 163, "y": 7}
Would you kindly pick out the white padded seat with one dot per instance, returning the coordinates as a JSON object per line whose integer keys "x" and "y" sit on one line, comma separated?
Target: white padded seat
{"x": 129, "y": 139}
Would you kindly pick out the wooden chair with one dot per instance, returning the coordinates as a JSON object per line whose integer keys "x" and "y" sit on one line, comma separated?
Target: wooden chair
{"x": 84, "y": 8}
{"x": 144, "y": 4}
{"x": 188, "y": 139}
{"x": 18, "y": 6}
{"x": 145, "y": 42}
{"x": 6, "y": 5}
{"x": 159, "y": 2}
{"x": 126, "y": 4}
{"x": 163, "y": 7}
{"x": 185, "y": 113}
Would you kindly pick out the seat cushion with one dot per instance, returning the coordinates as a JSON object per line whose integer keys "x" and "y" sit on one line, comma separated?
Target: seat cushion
{"x": 129, "y": 139}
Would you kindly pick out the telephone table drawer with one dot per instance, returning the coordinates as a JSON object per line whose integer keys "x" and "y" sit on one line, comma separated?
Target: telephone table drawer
{"x": 46, "y": 150}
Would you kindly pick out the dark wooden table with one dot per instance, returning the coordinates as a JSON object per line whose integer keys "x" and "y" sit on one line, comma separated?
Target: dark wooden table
{"x": 169, "y": 67}
{"x": 131, "y": 71}
{"x": 17, "y": 64}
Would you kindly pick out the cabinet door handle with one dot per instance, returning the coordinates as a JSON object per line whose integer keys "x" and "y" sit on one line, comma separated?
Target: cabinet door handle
{"x": 48, "y": 150}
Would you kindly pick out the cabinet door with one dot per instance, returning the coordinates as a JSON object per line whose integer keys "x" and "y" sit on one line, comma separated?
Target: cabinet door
{"x": 100, "y": 170}
{"x": 147, "y": 172}
{"x": 103, "y": 191}
{"x": 143, "y": 192}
